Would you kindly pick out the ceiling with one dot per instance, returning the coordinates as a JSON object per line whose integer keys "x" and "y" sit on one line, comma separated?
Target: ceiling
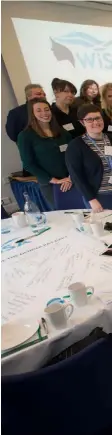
{"x": 100, "y": 1}
{"x": 97, "y": 4}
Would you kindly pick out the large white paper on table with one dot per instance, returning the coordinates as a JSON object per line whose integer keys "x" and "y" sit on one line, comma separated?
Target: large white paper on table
{"x": 28, "y": 282}
{"x": 24, "y": 279}
{"x": 59, "y": 225}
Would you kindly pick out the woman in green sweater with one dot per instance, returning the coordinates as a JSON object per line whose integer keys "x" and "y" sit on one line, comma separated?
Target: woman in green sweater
{"x": 42, "y": 147}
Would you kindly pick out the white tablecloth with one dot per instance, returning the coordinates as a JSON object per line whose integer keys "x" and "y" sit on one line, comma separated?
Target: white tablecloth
{"x": 43, "y": 268}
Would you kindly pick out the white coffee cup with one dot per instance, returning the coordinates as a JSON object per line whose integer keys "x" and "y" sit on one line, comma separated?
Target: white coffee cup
{"x": 80, "y": 293}
{"x": 78, "y": 219}
{"x": 19, "y": 219}
{"x": 97, "y": 229}
{"x": 59, "y": 314}
{"x": 87, "y": 228}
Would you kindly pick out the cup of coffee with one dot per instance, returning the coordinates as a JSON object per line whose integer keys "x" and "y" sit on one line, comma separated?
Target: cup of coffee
{"x": 78, "y": 219}
{"x": 97, "y": 229}
{"x": 55, "y": 301}
{"x": 80, "y": 293}
{"x": 59, "y": 314}
{"x": 19, "y": 219}
{"x": 87, "y": 228}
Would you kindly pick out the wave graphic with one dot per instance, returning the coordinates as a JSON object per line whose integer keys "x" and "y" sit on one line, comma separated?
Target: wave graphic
{"x": 80, "y": 38}
{"x": 84, "y": 40}
{"x": 104, "y": 46}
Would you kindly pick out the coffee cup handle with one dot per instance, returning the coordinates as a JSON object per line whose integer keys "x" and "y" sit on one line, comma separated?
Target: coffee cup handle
{"x": 89, "y": 291}
{"x": 70, "y": 311}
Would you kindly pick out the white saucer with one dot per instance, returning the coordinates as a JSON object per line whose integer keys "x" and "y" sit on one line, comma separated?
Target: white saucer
{"x": 17, "y": 332}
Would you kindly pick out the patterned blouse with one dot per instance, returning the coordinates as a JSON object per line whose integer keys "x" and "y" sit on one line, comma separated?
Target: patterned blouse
{"x": 100, "y": 143}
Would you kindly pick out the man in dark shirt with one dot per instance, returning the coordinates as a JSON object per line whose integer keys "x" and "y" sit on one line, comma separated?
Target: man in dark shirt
{"x": 17, "y": 118}
{"x": 65, "y": 114}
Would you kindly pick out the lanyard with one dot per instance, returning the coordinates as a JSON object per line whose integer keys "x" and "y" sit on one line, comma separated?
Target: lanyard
{"x": 107, "y": 159}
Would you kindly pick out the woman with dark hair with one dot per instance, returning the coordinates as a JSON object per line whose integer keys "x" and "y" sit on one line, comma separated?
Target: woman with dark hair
{"x": 42, "y": 148}
{"x": 106, "y": 98}
{"x": 65, "y": 113}
{"x": 89, "y": 160}
{"x": 89, "y": 93}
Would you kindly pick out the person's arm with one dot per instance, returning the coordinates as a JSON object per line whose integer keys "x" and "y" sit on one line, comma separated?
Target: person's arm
{"x": 11, "y": 126}
{"x": 74, "y": 162}
{"x": 28, "y": 158}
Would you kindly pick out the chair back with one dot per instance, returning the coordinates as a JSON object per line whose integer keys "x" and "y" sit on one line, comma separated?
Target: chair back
{"x": 34, "y": 192}
{"x": 4, "y": 214}
{"x": 71, "y": 397}
{"x": 67, "y": 200}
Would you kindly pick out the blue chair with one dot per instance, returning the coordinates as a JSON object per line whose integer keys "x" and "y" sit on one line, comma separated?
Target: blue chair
{"x": 4, "y": 214}
{"x": 34, "y": 192}
{"x": 71, "y": 397}
{"x": 67, "y": 200}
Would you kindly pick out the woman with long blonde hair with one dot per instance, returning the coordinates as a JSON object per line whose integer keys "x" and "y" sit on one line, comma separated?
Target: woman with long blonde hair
{"x": 106, "y": 96}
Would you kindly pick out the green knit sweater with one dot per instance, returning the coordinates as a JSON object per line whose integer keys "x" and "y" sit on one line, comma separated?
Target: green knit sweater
{"x": 43, "y": 156}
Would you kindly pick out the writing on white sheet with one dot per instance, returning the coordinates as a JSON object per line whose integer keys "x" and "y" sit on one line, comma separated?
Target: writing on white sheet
{"x": 41, "y": 276}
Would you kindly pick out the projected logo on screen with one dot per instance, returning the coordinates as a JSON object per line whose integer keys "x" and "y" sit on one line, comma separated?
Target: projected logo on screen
{"x": 84, "y": 49}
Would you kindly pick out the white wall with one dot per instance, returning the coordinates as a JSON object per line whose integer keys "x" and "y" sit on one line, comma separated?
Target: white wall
{"x": 10, "y": 160}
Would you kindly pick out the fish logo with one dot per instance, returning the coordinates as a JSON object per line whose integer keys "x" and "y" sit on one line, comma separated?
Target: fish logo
{"x": 62, "y": 53}
{"x": 60, "y": 45}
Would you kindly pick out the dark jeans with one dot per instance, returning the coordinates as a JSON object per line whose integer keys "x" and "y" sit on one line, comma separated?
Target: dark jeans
{"x": 105, "y": 199}
{"x": 47, "y": 191}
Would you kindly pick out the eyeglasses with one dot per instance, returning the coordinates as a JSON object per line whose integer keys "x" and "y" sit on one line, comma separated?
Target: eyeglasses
{"x": 90, "y": 120}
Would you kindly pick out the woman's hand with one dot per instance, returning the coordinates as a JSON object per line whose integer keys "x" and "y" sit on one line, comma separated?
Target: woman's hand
{"x": 54, "y": 181}
{"x": 96, "y": 206}
{"x": 66, "y": 185}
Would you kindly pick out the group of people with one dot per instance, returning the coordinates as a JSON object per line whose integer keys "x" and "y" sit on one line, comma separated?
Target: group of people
{"x": 68, "y": 143}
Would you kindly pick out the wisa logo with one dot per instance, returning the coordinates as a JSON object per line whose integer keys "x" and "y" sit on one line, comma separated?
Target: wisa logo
{"x": 84, "y": 49}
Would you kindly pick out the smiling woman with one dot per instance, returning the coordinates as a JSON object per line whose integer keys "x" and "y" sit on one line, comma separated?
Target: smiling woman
{"x": 89, "y": 160}
{"x": 89, "y": 93}
{"x": 42, "y": 148}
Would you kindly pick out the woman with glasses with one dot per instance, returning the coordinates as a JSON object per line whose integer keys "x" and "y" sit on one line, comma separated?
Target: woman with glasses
{"x": 89, "y": 160}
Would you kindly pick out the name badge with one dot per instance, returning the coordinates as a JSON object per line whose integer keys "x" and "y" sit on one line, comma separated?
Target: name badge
{"x": 109, "y": 127}
{"x": 63, "y": 148}
{"x": 68, "y": 127}
{"x": 110, "y": 180}
{"x": 108, "y": 150}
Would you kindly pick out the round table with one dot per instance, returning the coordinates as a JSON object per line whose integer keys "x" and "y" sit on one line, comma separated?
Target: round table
{"x": 43, "y": 268}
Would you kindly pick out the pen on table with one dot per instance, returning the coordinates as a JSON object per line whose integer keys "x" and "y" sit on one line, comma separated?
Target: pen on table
{"x": 44, "y": 324}
{"x": 66, "y": 297}
{"x": 33, "y": 235}
{"x": 69, "y": 212}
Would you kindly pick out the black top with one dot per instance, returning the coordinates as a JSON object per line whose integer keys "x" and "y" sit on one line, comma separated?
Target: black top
{"x": 107, "y": 124}
{"x": 78, "y": 101}
{"x": 85, "y": 168}
{"x": 69, "y": 120}
{"x": 17, "y": 120}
